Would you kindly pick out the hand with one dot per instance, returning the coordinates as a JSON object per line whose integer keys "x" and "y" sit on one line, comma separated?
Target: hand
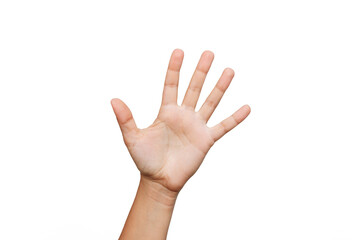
{"x": 173, "y": 147}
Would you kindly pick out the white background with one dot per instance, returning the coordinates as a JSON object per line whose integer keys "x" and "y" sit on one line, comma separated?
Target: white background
{"x": 289, "y": 171}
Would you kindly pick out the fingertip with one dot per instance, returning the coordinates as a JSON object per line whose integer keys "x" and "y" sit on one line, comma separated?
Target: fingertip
{"x": 112, "y": 101}
{"x": 115, "y": 102}
{"x": 176, "y": 60}
{"x": 208, "y": 54}
{"x": 122, "y": 111}
{"x": 246, "y": 106}
{"x": 242, "y": 113}
{"x": 178, "y": 52}
{"x": 230, "y": 72}
{"x": 118, "y": 105}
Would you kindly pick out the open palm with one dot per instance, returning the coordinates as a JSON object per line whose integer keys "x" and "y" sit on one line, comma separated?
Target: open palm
{"x": 171, "y": 149}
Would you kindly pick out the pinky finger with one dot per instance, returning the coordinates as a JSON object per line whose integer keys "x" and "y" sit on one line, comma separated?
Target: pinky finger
{"x": 229, "y": 123}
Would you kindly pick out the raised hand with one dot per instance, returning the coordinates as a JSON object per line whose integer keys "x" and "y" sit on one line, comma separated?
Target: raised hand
{"x": 173, "y": 147}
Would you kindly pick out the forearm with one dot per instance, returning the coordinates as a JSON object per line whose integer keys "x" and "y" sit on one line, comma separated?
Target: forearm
{"x": 151, "y": 212}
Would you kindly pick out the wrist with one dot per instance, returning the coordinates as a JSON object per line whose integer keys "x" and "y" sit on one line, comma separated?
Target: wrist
{"x": 157, "y": 192}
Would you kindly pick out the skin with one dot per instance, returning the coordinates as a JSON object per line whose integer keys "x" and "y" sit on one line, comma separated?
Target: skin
{"x": 172, "y": 148}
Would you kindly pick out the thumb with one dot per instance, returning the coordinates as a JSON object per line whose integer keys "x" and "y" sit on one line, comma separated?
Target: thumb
{"x": 124, "y": 117}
